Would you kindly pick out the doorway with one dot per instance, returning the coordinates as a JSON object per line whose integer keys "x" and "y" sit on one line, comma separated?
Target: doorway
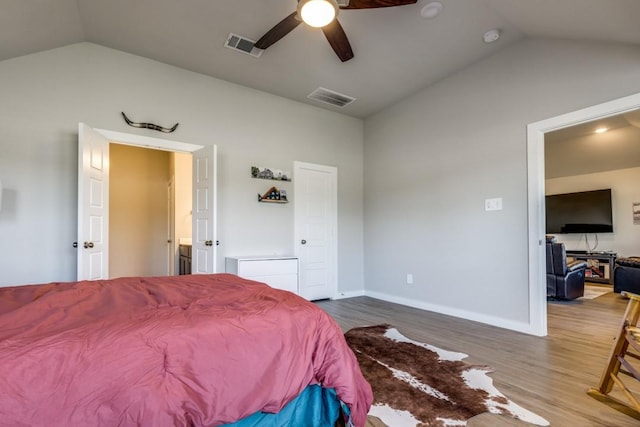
{"x": 93, "y": 199}
{"x": 145, "y": 217}
{"x": 536, "y": 193}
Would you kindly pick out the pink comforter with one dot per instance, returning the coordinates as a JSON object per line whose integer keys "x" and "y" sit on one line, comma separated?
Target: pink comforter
{"x": 165, "y": 351}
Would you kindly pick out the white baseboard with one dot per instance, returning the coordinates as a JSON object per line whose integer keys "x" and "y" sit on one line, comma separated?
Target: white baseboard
{"x": 463, "y": 314}
{"x": 350, "y": 294}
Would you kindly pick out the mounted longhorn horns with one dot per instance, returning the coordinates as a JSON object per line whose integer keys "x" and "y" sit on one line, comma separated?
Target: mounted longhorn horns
{"x": 149, "y": 125}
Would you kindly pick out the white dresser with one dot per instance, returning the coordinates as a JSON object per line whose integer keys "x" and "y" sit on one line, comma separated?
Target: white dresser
{"x": 280, "y": 272}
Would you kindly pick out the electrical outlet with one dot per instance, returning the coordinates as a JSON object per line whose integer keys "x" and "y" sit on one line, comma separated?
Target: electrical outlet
{"x": 409, "y": 279}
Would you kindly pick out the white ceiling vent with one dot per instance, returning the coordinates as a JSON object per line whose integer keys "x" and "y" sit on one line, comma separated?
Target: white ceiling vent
{"x": 343, "y": 3}
{"x": 331, "y": 97}
{"x": 242, "y": 44}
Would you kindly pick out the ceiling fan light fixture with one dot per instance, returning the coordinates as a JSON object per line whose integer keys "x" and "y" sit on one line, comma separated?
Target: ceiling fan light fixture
{"x": 318, "y": 13}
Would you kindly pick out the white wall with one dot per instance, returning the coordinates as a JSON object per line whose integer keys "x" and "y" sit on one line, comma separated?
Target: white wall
{"x": 625, "y": 239}
{"x": 45, "y": 95}
{"x": 432, "y": 160}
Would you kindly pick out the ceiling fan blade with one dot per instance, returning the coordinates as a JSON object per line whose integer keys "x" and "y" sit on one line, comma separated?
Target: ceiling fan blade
{"x": 338, "y": 40}
{"x": 280, "y": 30}
{"x": 369, "y": 4}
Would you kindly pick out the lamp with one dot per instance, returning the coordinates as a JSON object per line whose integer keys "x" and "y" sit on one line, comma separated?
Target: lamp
{"x": 317, "y": 13}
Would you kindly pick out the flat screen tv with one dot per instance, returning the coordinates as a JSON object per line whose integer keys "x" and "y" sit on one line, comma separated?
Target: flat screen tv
{"x": 584, "y": 212}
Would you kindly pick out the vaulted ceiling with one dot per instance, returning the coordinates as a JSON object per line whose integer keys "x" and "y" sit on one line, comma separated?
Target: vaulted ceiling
{"x": 602, "y": 145}
{"x": 397, "y": 51}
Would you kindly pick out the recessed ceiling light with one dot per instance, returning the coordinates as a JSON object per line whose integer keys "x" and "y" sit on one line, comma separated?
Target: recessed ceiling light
{"x": 602, "y": 130}
{"x": 431, "y": 10}
{"x": 492, "y": 35}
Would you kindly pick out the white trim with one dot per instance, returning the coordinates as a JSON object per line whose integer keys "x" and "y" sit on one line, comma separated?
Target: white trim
{"x": 350, "y": 294}
{"x": 462, "y": 314}
{"x": 537, "y": 265}
{"x": 148, "y": 141}
{"x": 536, "y": 185}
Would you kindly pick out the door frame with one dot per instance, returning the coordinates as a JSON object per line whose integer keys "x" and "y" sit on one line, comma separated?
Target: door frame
{"x": 536, "y": 191}
{"x": 171, "y": 233}
{"x": 142, "y": 141}
{"x": 297, "y": 165}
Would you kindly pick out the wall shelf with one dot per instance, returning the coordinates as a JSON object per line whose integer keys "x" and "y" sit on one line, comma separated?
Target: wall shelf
{"x": 266, "y": 173}
{"x": 273, "y": 195}
{"x": 273, "y": 201}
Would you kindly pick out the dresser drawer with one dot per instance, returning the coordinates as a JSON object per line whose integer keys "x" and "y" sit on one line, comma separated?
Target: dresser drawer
{"x": 277, "y": 272}
{"x": 267, "y": 267}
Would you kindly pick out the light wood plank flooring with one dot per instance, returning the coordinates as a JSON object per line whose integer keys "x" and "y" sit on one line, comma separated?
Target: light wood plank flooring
{"x": 548, "y": 375}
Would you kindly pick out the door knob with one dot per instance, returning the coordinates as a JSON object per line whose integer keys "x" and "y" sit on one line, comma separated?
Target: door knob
{"x": 208, "y": 243}
{"x": 88, "y": 245}
{"x": 304, "y": 242}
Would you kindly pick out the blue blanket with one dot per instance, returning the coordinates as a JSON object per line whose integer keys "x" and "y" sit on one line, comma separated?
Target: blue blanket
{"x": 313, "y": 407}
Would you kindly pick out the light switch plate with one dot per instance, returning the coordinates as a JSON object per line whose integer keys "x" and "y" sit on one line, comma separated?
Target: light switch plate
{"x": 493, "y": 204}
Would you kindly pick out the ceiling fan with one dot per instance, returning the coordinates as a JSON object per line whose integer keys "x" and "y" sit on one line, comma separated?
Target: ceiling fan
{"x": 330, "y": 26}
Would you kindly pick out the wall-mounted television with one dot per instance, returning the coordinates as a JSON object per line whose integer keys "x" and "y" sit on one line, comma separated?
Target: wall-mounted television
{"x": 584, "y": 212}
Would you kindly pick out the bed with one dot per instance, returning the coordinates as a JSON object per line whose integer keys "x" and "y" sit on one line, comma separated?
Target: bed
{"x": 197, "y": 350}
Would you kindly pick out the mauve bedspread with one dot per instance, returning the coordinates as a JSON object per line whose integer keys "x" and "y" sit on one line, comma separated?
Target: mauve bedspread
{"x": 199, "y": 350}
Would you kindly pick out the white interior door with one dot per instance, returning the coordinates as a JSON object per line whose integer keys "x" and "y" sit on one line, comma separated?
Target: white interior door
{"x": 316, "y": 217}
{"x": 93, "y": 204}
{"x": 204, "y": 217}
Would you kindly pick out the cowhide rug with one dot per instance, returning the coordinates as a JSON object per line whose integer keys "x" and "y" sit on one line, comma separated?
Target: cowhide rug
{"x": 416, "y": 384}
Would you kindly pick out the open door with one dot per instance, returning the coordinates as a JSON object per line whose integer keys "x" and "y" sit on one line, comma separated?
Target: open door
{"x": 93, "y": 204}
{"x": 204, "y": 228}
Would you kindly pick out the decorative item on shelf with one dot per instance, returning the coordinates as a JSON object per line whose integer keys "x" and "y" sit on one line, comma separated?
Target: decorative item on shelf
{"x": 273, "y": 195}
{"x": 267, "y": 173}
{"x": 149, "y": 125}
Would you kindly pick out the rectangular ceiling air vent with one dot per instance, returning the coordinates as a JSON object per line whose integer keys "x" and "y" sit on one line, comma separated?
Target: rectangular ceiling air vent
{"x": 331, "y": 97}
{"x": 343, "y": 3}
{"x": 242, "y": 44}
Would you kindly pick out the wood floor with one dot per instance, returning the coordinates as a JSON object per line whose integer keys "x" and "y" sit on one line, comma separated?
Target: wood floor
{"x": 548, "y": 375}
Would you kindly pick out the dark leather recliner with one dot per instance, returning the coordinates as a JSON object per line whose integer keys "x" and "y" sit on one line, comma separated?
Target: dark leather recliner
{"x": 626, "y": 276}
{"x": 565, "y": 280}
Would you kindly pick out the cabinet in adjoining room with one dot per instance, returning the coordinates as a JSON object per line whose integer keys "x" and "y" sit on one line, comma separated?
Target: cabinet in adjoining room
{"x": 600, "y": 265}
{"x": 185, "y": 259}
